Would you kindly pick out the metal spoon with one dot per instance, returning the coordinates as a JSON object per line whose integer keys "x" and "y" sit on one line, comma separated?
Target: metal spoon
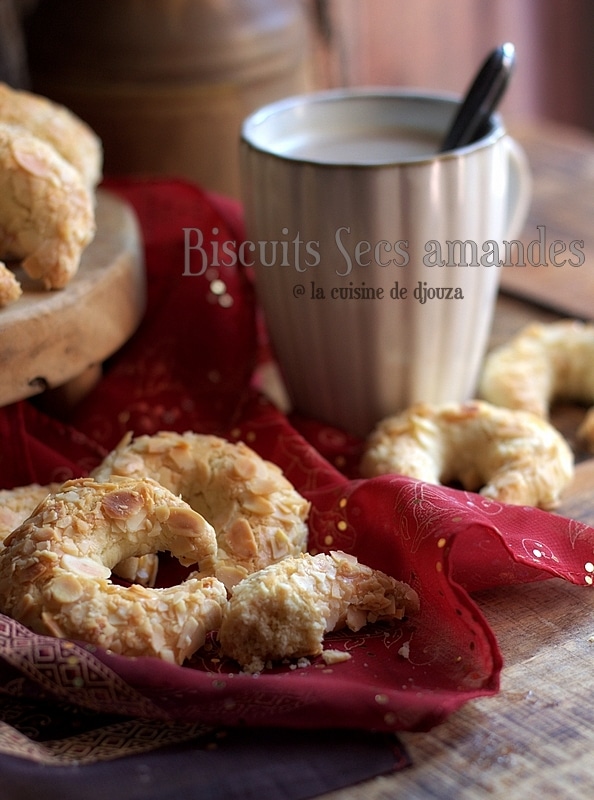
{"x": 481, "y": 98}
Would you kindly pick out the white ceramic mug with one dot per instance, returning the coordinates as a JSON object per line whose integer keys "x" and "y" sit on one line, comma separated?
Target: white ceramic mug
{"x": 350, "y": 214}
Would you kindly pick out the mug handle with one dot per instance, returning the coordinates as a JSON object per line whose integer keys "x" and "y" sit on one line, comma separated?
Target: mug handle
{"x": 520, "y": 184}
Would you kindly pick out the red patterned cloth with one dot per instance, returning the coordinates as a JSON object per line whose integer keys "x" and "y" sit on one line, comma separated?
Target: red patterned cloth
{"x": 190, "y": 366}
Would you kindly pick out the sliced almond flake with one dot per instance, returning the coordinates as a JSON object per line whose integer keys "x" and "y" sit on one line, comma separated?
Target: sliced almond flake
{"x": 65, "y": 588}
{"x": 86, "y": 567}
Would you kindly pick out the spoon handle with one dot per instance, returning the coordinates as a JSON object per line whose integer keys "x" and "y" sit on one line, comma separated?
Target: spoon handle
{"x": 482, "y": 98}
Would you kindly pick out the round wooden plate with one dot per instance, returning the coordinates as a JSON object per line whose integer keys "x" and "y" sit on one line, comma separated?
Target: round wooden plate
{"x": 50, "y": 339}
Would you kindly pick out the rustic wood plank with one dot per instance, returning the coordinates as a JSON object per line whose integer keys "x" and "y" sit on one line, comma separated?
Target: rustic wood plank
{"x": 562, "y": 163}
{"x": 536, "y": 737}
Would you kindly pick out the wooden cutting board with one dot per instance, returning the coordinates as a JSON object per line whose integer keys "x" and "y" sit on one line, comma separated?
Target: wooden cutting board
{"x": 60, "y": 338}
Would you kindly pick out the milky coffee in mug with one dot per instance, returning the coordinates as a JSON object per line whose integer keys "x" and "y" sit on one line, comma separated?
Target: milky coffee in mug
{"x": 376, "y": 258}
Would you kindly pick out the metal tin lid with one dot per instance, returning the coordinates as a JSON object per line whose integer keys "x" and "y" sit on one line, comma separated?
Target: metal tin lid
{"x": 166, "y": 40}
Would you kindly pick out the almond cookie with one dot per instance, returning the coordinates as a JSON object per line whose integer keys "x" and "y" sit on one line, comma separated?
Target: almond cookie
{"x": 55, "y": 569}
{"x": 510, "y": 456}
{"x": 258, "y": 516}
{"x": 542, "y": 364}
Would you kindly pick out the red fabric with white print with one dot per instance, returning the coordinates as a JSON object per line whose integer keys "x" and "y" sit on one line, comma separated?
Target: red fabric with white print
{"x": 190, "y": 366}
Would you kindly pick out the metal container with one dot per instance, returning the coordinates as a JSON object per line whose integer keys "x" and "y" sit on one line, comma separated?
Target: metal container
{"x": 166, "y": 83}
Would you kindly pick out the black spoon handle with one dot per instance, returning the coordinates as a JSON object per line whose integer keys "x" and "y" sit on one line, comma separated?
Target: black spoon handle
{"x": 482, "y": 98}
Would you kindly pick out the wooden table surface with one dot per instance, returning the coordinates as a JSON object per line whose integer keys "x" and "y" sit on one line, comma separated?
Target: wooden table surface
{"x": 535, "y": 739}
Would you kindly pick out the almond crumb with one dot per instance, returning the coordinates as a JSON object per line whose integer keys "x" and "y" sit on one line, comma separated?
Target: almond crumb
{"x": 335, "y": 656}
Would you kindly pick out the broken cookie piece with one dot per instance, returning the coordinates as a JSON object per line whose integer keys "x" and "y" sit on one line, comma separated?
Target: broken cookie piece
{"x": 284, "y": 610}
